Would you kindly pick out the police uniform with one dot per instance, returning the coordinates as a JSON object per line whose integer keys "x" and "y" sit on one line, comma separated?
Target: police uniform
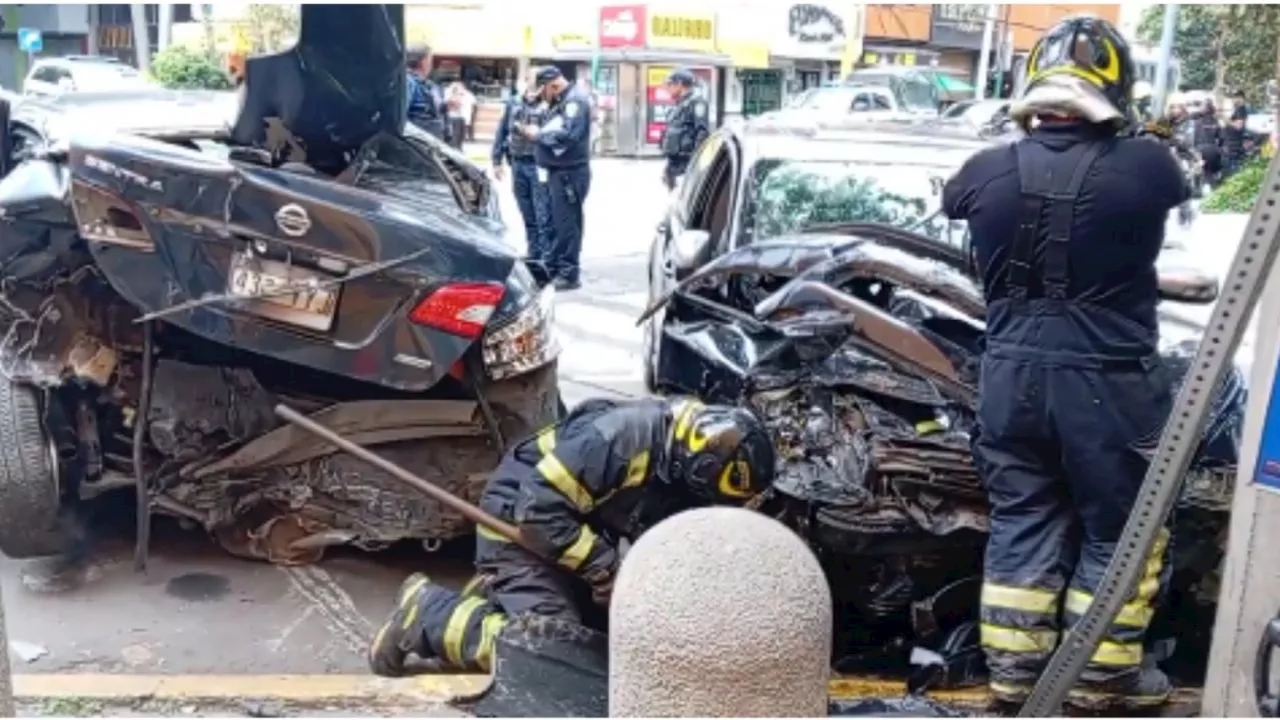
{"x": 426, "y": 106}
{"x": 1066, "y": 225}
{"x": 531, "y": 193}
{"x": 563, "y": 152}
{"x": 687, "y": 127}
{"x": 605, "y": 473}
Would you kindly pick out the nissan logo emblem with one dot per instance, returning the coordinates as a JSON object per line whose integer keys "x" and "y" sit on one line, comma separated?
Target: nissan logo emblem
{"x": 292, "y": 220}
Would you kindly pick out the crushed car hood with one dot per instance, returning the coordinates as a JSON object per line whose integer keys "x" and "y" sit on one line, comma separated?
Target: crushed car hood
{"x": 340, "y": 85}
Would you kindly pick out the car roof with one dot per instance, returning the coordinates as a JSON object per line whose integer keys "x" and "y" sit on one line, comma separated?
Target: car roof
{"x": 889, "y": 141}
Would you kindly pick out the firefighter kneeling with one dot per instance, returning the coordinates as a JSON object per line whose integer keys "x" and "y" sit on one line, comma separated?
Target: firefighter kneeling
{"x": 605, "y": 473}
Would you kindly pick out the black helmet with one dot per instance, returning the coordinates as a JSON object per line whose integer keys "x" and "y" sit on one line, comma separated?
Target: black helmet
{"x": 681, "y": 76}
{"x": 720, "y": 453}
{"x": 1082, "y": 63}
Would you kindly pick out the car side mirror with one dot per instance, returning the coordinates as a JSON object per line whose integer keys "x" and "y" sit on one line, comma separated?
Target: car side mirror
{"x": 689, "y": 249}
{"x": 861, "y": 106}
{"x": 1188, "y": 286}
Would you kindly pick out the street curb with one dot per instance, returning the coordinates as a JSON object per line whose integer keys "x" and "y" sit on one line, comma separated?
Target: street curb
{"x": 420, "y": 689}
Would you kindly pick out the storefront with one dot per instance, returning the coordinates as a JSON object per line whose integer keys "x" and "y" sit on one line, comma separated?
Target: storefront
{"x": 808, "y": 45}
{"x": 638, "y": 46}
{"x": 473, "y": 44}
{"x": 956, "y": 33}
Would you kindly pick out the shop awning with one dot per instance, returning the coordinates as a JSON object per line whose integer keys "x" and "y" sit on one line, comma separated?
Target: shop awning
{"x": 664, "y": 57}
{"x": 952, "y": 85}
{"x": 746, "y": 55}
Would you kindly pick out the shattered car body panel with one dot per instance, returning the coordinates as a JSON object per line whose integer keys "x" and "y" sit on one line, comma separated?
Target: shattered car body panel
{"x": 166, "y": 290}
{"x": 846, "y": 313}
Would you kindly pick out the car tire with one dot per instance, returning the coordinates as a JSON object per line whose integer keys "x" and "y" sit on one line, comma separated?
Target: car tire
{"x": 30, "y": 526}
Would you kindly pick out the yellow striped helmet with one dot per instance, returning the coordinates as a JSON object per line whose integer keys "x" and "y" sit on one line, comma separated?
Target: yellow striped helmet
{"x": 720, "y": 453}
{"x": 1089, "y": 49}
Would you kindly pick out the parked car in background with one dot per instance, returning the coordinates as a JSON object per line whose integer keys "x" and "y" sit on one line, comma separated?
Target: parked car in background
{"x": 976, "y": 115}
{"x": 840, "y": 100}
{"x": 82, "y": 73}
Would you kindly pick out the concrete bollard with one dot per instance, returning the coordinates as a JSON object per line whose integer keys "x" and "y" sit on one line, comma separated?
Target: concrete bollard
{"x": 719, "y": 612}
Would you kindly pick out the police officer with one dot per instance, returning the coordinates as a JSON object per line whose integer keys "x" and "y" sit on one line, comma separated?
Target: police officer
{"x": 425, "y": 100}
{"x": 1066, "y": 226}
{"x": 605, "y": 473}
{"x": 511, "y": 147}
{"x": 686, "y": 126}
{"x": 563, "y": 152}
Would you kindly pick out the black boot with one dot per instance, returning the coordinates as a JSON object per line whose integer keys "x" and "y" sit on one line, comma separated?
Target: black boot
{"x": 70, "y": 570}
{"x": 1142, "y": 689}
{"x": 401, "y": 635}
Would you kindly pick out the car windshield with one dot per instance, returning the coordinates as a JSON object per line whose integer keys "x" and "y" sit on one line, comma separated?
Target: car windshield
{"x": 787, "y": 196}
{"x": 840, "y": 99}
{"x": 108, "y": 76}
{"x": 914, "y": 92}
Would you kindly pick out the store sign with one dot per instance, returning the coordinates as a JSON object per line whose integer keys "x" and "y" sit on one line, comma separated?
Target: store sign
{"x": 695, "y": 32}
{"x": 958, "y": 26}
{"x": 572, "y": 41}
{"x": 814, "y": 31}
{"x": 622, "y": 26}
{"x": 659, "y": 103}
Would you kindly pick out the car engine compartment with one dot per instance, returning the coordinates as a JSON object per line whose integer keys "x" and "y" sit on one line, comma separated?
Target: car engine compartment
{"x": 861, "y": 346}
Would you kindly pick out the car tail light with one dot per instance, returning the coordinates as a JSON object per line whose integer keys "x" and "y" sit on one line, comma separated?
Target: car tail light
{"x": 460, "y": 308}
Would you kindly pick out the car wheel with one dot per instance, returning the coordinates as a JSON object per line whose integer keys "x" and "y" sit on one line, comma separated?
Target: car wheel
{"x": 29, "y": 484}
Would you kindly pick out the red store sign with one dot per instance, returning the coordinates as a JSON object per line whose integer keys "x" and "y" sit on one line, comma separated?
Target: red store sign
{"x": 623, "y": 26}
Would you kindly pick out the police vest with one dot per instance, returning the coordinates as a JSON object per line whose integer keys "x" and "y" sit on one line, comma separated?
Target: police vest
{"x": 522, "y": 113}
{"x": 682, "y": 128}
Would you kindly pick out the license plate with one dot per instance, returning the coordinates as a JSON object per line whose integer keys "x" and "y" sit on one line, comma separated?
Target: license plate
{"x": 306, "y": 305}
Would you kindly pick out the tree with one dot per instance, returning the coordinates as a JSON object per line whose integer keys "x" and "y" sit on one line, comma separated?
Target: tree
{"x": 1223, "y": 47}
{"x": 182, "y": 69}
{"x": 273, "y": 27}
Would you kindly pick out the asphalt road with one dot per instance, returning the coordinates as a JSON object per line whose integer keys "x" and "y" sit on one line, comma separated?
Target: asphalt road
{"x": 199, "y": 611}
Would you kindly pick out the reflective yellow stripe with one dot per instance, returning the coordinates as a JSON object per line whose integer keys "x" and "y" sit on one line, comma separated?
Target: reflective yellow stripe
{"x": 489, "y": 629}
{"x": 488, "y": 534}
{"x": 1019, "y": 641}
{"x": 1136, "y": 614}
{"x": 577, "y": 553}
{"x": 547, "y": 441}
{"x": 455, "y": 631}
{"x": 928, "y": 426}
{"x": 565, "y": 483}
{"x": 1031, "y": 600}
{"x": 473, "y": 585}
{"x": 411, "y": 590}
{"x": 684, "y": 415}
{"x": 1109, "y": 653}
{"x": 637, "y": 471}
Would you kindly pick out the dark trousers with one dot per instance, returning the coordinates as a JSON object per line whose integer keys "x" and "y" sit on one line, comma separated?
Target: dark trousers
{"x": 535, "y": 208}
{"x": 677, "y": 165}
{"x": 461, "y": 628}
{"x": 1063, "y": 447}
{"x": 568, "y": 190}
{"x": 457, "y": 131}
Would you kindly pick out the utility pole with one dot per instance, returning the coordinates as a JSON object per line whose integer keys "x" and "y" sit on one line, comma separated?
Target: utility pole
{"x": 984, "y": 55}
{"x": 1166, "y": 56}
{"x": 7, "y": 708}
{"x": 164, "y": 22}
{"x": 141, "y": 38}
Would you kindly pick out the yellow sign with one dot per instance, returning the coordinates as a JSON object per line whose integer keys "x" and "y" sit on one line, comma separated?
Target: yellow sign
{"x": 682, "y": 32}
{"x": 572, "y": 41}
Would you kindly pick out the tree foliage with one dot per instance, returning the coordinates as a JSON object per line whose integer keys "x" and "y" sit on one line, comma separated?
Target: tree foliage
{"x": 1222, "y": 47}
{"x": 180, "y": 68}
{"x": 273, "y": 27}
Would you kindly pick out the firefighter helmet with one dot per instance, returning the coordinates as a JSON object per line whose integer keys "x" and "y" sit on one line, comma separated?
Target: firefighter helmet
{"x": 721, "y": 453}
{"x": 1081, "y": 66}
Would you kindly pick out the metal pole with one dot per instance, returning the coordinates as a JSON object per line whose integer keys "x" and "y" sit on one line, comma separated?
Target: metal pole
{"x": 1166, "y": 55}
{"x": 164, "y": 21}
{"x": 7, "y": 708}
{"x": 984, "y": 55}
{"x": 141, "y": 38}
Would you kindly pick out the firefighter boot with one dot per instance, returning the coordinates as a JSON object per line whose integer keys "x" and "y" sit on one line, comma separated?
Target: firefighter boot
{"x": 402, "y": 634}
{"x": 1142, "y": 689}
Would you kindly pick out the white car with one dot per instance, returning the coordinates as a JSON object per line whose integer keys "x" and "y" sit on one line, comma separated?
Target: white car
{"x": 82, "y": 73}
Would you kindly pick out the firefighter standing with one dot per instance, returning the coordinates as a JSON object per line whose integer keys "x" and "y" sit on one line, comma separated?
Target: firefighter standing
{"x": 605, "y": 473}
{"x": 563, "y": 152}
{"x": 1066, "y": 225}
{"x": 526, "y": 107}
{"x": 687, "y": 126}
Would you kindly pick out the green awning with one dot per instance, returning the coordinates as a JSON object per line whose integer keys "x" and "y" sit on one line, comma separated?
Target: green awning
{"x": 946, "y": 83}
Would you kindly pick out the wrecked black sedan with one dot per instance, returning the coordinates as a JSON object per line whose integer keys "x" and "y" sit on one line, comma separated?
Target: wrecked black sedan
{"x": 808, "y": 275}
{"x": 168, "y": 278}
